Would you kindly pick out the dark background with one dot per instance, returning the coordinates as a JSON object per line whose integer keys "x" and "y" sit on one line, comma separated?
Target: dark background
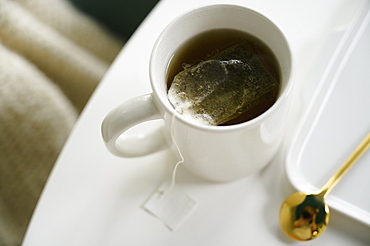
{"x": 122, "y": 17}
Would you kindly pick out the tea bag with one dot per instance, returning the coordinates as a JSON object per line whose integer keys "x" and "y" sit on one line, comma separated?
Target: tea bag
{"x": 222, "y": 87}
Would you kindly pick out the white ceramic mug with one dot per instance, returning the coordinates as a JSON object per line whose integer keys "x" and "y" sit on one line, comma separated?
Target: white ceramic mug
{"x": 218, "y": 153}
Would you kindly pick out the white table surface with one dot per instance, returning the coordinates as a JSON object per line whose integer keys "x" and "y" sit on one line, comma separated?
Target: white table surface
{"x": 95, "y": 198}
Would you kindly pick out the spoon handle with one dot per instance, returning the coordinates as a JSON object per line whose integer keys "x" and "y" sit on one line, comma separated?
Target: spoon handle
{"x": 359, "y": 151}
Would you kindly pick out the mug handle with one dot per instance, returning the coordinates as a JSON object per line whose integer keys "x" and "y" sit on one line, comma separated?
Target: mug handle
{"x": 127, "y": 115}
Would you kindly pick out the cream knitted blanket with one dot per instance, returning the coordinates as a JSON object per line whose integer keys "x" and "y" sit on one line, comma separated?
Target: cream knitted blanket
{"x": 51, "y": 59}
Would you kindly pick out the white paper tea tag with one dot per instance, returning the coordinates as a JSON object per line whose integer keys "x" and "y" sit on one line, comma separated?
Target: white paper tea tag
{"x": 171, "y": 205}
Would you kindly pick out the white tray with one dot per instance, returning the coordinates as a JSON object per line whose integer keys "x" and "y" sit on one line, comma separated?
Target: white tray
{"x": 336, "y": 121}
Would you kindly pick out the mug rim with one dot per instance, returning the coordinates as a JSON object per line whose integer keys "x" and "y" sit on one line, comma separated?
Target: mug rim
{"x": 284, "y": 92}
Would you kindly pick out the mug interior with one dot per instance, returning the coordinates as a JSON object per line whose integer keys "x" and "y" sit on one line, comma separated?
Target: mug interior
{"x": 218, "y": 16}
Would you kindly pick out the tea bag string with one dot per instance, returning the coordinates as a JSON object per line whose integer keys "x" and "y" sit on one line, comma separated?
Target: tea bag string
{"x": 173, "y": 181}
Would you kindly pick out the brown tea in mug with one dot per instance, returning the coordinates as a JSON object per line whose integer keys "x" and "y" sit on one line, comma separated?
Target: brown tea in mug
{"x": 223, "y": 77}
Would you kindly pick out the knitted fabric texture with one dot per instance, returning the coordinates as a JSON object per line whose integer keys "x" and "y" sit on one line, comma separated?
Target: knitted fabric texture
{"x": 51, "y": 59}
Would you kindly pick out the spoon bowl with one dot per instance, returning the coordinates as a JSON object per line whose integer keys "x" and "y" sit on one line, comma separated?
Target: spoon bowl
{"x": 306, "y": 216}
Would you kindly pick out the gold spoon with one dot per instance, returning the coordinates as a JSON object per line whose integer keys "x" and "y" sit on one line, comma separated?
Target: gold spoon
{"x": 305, "y": 216}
